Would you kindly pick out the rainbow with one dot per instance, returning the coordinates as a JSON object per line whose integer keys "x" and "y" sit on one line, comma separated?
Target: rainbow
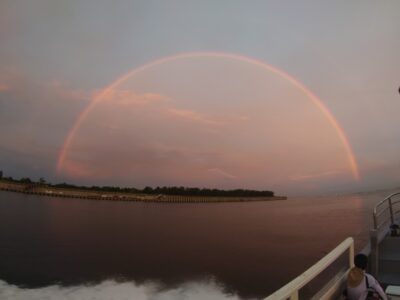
{"x": 321, "y": 106}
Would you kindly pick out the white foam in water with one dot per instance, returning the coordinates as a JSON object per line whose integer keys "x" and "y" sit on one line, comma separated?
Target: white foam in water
{"x": 112, "y": 290}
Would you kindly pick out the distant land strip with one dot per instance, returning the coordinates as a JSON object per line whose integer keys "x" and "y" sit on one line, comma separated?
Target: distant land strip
{"x": 93, "y": 194}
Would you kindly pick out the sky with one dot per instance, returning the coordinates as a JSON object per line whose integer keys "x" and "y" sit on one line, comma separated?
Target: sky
{"x": 298, "y": 97}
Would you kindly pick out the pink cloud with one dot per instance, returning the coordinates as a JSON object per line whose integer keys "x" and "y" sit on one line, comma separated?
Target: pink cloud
{"x": 4, "y": 87}
{"x": 62, "y": 91}
{"x": 316, "y": 176}
{"x": 193, "y": 116}
{"x": 163, "y": 106}
{"x": 16, "y": 81}
{"x": 222, "y": 173}
{"x": 131, "y": 98}
{"x": 8, "y": 78}
{"x": 78, "y": 170}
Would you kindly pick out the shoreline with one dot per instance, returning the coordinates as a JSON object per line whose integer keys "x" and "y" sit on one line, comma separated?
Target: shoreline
{"x": 44, "y": 190}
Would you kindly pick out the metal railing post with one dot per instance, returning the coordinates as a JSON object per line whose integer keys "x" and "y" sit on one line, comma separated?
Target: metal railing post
{"x": 391, "y": 211}
{"x": 374, "y": 261}
{"x": 351, "y": 256}
{"x": 375, "y": 221}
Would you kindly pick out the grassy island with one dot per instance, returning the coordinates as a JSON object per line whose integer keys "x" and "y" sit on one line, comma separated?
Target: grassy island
{"x": 147, "y": 194}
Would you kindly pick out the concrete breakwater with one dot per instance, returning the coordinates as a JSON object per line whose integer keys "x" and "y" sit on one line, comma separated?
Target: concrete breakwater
{"x": 98, "y": 195}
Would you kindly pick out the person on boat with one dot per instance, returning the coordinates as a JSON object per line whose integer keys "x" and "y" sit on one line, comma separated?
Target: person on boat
{"x": 361, "y": 285}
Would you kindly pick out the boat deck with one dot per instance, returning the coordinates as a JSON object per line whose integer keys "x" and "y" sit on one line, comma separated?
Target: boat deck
{"x": 389, "y": 261}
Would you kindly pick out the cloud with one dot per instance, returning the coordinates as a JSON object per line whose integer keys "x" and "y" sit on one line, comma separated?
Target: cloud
{"x": 194, "y": 116}
{"x": 30, "y": 109}
{"x": 111, "y": 289}
{"x": 4, "y": 87}
{"x": 62, "y": 91}
{"x": 131, "y": 98}
{"x": 222, "y": 173}
{"x": 18, "y": 85}
{"x": 78, "y": 170}
{"x": 170, "y": 163}
{"x": 315, "y": 176}
{"x": 8, "y": 77}
{"x": 158, "y": 107}
{"x": 34, "y": 120}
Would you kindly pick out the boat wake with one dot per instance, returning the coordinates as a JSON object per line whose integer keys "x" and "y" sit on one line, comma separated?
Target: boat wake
{"x": 111, "y": 289}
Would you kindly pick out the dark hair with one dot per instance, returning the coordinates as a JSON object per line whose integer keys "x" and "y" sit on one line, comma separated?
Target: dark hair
{"x": 361, "y": 261}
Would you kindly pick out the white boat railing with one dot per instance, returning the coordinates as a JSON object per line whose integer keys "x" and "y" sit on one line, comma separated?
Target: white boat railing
{"x": 384, "y": 216}
{"x": 386, "y": 211}
{"x": 291, "y": 290}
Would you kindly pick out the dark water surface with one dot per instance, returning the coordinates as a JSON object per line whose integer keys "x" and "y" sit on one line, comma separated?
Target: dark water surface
{"x": 249, "y": 248}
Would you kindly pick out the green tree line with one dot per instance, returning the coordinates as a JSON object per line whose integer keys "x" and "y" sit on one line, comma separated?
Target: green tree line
{"x": 171, "y": 190}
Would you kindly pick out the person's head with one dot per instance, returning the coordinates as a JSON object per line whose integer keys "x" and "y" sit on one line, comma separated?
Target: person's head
{"x": 361, "y": 261}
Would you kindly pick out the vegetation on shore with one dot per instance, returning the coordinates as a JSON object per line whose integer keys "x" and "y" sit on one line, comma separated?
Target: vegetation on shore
{"x": 173, "y": 190}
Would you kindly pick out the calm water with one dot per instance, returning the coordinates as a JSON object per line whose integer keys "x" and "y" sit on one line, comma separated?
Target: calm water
{"x": 244, "y": 250}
